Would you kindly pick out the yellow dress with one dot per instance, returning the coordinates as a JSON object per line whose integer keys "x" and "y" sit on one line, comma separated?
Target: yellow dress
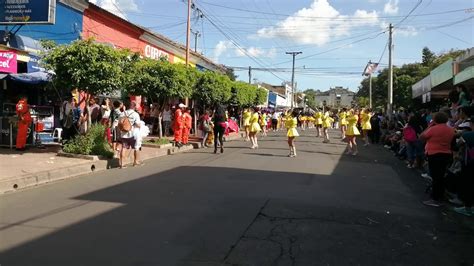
{"x": 365, "y": 121}
{"x": 246, "y": 117}
{"x": 290, "y": 124}
{"x": 319, "y": 118}
{"x": 263, "y": 120}
{"x": 342, "y": 118}
{"x": 352, "y": 126}
{"x": 254, "y": 126}
{"x": 327, "y": 120}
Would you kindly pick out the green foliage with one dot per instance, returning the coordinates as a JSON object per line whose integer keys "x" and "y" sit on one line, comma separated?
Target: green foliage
{"x": 363, "y": 101}
{"x": 310, "y": 97}
{"x": 244, "y": 94}
{"x": 161, "y": 141}
{"x": 93, "y": 143}
{"x": 403, "y": 79}
{"x": 85, "y": 64}
{"x": 212, "y": 88}
{"x": 161, "y": 80}
{"x": 428, "y": 57}
{"x": 261, "y": 96}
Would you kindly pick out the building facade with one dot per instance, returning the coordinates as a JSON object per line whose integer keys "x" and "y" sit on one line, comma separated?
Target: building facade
{"x": 280, "y": 96}
{"x": 335, "y": 97}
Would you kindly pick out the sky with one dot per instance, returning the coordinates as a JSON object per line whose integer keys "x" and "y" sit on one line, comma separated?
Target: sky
{"x": 336, "y": 37}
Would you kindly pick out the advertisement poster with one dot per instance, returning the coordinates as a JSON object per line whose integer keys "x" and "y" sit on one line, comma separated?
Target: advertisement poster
{"x": 8, "y": 62}
{"x": 27, "y": 11}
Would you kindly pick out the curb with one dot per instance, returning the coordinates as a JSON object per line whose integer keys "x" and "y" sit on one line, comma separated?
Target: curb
{"x": 94, "y": 164}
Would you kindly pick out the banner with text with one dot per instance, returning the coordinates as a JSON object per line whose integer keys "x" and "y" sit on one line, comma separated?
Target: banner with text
{"x": 8, "y": 62}
{"x": 27, "y": 11}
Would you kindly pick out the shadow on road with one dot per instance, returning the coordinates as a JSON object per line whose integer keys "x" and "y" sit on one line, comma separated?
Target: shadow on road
{"x": 201, "y": 215}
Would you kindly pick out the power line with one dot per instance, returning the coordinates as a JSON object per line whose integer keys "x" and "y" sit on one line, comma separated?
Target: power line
{"x": 331, "y": 18}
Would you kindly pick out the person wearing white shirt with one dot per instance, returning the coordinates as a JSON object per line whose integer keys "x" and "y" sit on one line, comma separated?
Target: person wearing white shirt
{"x": 127, "y": 137}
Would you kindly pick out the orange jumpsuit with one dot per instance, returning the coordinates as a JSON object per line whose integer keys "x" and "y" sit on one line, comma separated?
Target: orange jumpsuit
{"x": 24, "y": 121}
{"x": 187, "y": 121}
{"x": 178, "y": 126}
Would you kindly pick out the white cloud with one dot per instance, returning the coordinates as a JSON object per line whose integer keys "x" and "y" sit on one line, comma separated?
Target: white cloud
{"x": 256, "y": 52}
{"x": 117, "y": 7}
{"x": 406, "y": 31}
{"x": 391, "y": 7}
{"x": 318, "y": 24}
{"x": 373, "y": 1}
{"x": 221, "y": 47}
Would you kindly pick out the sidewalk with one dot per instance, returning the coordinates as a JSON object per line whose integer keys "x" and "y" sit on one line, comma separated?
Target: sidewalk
{"x": 20, "y": 170}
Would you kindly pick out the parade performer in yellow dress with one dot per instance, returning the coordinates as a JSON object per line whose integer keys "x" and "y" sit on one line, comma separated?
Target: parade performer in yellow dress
{"x": 365, "y": 116}
{"x": 327, "y": 123}
{"x": 254, "y": 129}
{"x": 263, "y": 123}
{"x": 311, "y": 121}
{"x": 246, "y": 118}
{"x": 319, "y": 123}
{"x": 291, "y": 123}
{"x": 343, "y": 122}
{"x": 352, "y": 132}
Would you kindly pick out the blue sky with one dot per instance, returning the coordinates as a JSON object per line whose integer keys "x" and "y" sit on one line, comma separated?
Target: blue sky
{"x": 337, "y": 37}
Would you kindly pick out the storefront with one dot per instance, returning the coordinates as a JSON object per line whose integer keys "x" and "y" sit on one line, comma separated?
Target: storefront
{"x": 21, "y": 76}
{"x": 465, "y": 69}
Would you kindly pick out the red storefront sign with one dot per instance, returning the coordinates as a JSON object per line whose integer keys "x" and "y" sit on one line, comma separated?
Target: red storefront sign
{"x": 107, "y": 28}
{"x": 8, "y": 62}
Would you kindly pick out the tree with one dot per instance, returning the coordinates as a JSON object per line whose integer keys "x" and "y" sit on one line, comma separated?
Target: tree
{"x": 244, "y": 94}
{"x": 213, "y": 88}
{"x": 310, "y": 98}
{"x": 92, "y": 67}
{"x": 231, "y": 74}
{"x": 160, "y": 81}
{"x": 428, "y": 57}
{"x": 261, "y": 96}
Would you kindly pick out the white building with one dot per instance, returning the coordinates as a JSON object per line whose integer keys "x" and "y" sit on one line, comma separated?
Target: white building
{"x": 335, "y": 97}
{"x": 280, "y": 96}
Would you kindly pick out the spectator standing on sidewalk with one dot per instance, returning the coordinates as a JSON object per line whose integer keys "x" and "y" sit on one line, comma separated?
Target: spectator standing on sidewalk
{"x": 166, "y": 116}
{"x": 438, "y": 137}
{"x": 114, "y": 117}
{"x": 187, "y": 125}
{"x": 219, "y": 121}
{"x": 106, "y": 110}
{"x": 467, "y": 173}
{"x": 127, "y": 136}
{"x": 178, "y": 125}
{"x": 205, "y": 127}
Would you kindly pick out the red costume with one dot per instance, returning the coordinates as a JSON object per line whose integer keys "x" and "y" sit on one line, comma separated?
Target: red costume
{"x": 24, "y": 121}
{"x": 187, "y": 121}
{"x": 178, "y": 126}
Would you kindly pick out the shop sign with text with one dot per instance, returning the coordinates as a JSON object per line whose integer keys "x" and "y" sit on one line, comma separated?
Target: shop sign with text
{"x": 8, "y": 62}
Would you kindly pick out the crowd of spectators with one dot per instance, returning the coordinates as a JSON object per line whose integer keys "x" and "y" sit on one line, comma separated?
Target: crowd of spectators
{"x": 438, "y": 143}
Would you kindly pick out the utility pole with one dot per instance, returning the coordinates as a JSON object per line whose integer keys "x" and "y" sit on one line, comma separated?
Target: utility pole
{"x": 390, "y": 73}
{"x": 188, "y": 31}
{"x": 294, "y": 54}
{"x": 196, "y": 35}
{"x": 370, "y": 87}
{"x": 250, "y": 75}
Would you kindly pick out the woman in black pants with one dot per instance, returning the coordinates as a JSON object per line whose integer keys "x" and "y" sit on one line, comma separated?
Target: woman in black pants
{"x": 219, "y": 120}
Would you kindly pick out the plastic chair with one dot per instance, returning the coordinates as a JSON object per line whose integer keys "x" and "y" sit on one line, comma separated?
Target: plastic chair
{"x": 57, "y": 133}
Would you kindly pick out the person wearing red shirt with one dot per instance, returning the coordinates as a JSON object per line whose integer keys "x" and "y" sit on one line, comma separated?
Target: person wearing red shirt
{"x": 187, "y": 125}
{"x": 438, "y": 137}
{"x": 24, "y": 122}
{"x": 178, "y": 125}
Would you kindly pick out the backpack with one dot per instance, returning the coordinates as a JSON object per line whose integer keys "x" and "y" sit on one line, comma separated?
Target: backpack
{"x": 409, "y": 134}
{"x": 124, "y": 124}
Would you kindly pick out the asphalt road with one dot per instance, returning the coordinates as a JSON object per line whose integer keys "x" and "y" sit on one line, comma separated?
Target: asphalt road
{"x": 243, "y": 207}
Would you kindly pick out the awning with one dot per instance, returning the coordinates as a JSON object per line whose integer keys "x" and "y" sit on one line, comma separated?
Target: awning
{"x": 442, "y": 73}
{"x": 465, "y": 76}
{"x": 32, "y": 78}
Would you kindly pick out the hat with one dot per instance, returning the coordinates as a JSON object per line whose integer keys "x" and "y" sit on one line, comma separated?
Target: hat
{"x": 182, "y": 105}
{"x": 398, "y": 132}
